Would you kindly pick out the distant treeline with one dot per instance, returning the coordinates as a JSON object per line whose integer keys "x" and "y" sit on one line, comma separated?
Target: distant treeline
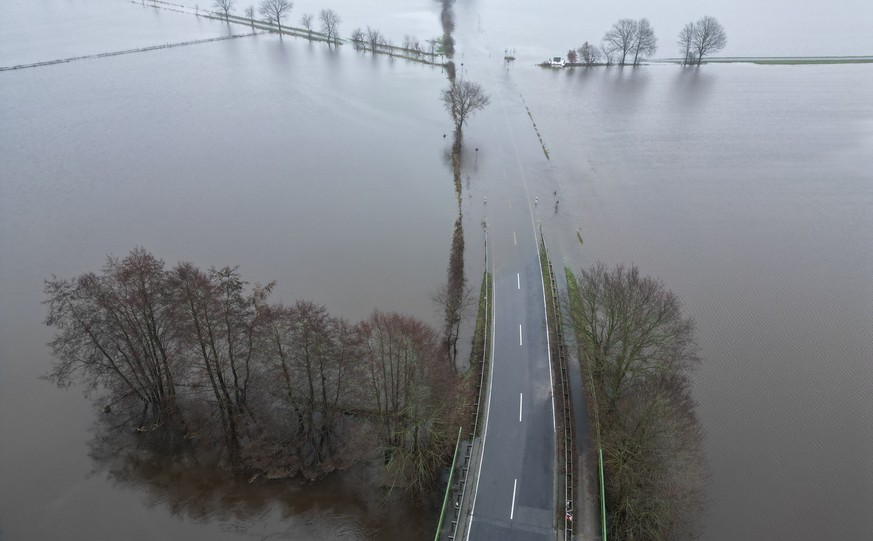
{"x": 631, "y": 41}
{"x": 190, "y": 360}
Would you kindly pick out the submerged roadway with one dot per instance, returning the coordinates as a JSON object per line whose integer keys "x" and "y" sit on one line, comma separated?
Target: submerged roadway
{"x": 514, "y": 495}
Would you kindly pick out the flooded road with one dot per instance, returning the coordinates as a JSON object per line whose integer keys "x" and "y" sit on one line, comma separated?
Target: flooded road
{"x": 747, "y": 189}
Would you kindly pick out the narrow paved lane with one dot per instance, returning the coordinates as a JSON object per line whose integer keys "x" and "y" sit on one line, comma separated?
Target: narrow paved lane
{"x": 515, "y": 496}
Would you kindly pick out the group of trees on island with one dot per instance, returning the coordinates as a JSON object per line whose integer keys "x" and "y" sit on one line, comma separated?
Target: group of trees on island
{"x": 637, "y": 351}
{"x": 631, "y": 41}
{"x": 184, "y": 359}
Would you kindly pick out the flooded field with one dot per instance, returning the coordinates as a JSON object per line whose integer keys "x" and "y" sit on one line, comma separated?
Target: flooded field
{"x": 746, "y": 189}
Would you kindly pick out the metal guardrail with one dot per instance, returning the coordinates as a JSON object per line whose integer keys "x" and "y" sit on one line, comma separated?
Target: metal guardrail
{"x": 569, "y": 436}
{"x": 459, "y": 490}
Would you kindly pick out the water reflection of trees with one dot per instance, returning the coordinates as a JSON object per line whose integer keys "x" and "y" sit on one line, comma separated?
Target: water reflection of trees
{"x": 342, "y": 505}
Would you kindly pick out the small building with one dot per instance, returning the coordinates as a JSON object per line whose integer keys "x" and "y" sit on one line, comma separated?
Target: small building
{"x": 556, "y": 62}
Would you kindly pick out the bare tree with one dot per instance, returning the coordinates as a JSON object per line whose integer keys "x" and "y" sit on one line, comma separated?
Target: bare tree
{"x": 358, "y": 38}
{"x": 636, "y": 327}
{"x": 608, "y": 54}
{"x": 275, "y": 10}
{"x": 311, "y": 352}
{"x": 306, "y": 23}
{"x": 415, "y": 393}
{"x": 224, "y": 5}
{"x": 571, "y": 56}
{"x": 709, "y": 37}
{"x": 589, "y": 54}
{"x": 116, "y": 334}
{"x": 621, "y": 38}
{"x": 686, "y": 44}
{"x": 462, "y": 99}
{"x": 637, "y": 351}
{"x": 653, "y": 452}
{"x": 434, "y": 45}
{"x": 220, "y": 325}
{"x": 645, "y": 43}
{"x": 375, "y": 38}
{"x": 409, "y": 43}
{"x": 250, "y": 15}
{"x": 330, "y": 21}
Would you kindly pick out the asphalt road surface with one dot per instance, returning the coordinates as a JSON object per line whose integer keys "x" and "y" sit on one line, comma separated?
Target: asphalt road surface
{"x": 515, "y": 494}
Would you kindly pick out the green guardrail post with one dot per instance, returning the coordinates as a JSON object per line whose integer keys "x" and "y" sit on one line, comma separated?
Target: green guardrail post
{"x": 448, "y": 488}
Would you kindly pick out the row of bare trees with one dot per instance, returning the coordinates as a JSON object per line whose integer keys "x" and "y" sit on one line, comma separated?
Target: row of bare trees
{"x": 631, "y": 41}
{"x": 275, "y": 11}
{"x": 627, "y": 39}
{"x": 637, "y": 352}
{"x": 375, "y": 41}
{"x": 194, "y": 359}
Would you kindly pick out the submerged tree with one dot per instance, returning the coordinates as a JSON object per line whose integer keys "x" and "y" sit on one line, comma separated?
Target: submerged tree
{"x": 330, "y": 21}
{"x": 686, "y": 44}
{"x": 226, "y": 6}
{"x": 374, "y": 38}
{"x": 220, "y": 325}
{"x": 116, "y": 334}
{"x": 645, "y": 44}
{"x": 571, "y": 56}
{"x": 416, "y": 394}
{"x": 311, "y": 354}
{"x": 589, "y": 54}
{"x": 186, "y": 357}
{"x": 275, "y": 10}
{"x": 621, "y": 38}
{"x": 306, "y": 23}
{"x": 638, "y": 350}
{"x": 462, "y": 99}
{"x": 250, "y": 15}
{"x": 709, "y": 37}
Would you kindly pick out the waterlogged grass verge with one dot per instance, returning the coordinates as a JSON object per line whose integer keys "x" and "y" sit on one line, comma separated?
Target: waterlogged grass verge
{"x": 574, "y": 307}
{"x": 481, "y": 346}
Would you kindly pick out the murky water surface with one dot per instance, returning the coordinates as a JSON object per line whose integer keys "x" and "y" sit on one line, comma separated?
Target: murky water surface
{"x": 747, "y": 189}
{"x": 320, "y": 169}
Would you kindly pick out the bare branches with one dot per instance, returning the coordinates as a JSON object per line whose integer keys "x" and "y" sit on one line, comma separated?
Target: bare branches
{"x": 306, "y": 23}
{"x": 709, "y": 37}
{"x": 696, "y": 40}
{"x": 275, "y": 10}
{"x": 628, "y": 36}
{"x": 589, "y": 54}
{"x": 621, "y": 37}
{"x": 462, "y": 100}
{"x": 572, "y": 56}
{"x": 330, "y": 25}
{"x": 374, "y": 38}
{"x": 686, "y": 43}
{"x": 280, "y": 389}
{"x": 225, "y": 6}
{"x": 638, "y": 350}
{"x": 417, "y": 394}
{"x": 250, "y": 15}
{"x": 645, "y": 43}
{"x": 116, "y": 334}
